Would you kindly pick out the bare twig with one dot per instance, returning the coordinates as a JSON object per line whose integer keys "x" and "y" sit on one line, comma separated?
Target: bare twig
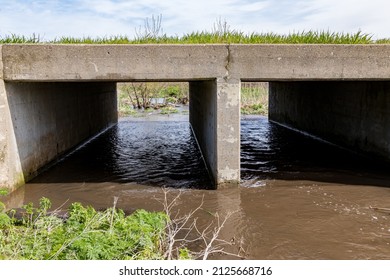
{"x": 152, "y": 28}
{"x": 381, "y": 209}
{"x": 181, "y": 227}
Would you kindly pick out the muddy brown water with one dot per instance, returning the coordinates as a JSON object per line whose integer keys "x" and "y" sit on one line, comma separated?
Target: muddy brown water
{"x": 299, "y": 198}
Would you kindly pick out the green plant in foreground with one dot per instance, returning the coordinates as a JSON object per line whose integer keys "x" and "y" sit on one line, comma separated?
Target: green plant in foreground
{"x": 4, "y": 218}
{"x": 84, "y": 234}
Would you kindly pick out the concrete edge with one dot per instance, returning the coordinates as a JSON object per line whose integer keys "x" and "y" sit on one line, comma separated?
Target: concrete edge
{"x": 41, "y": 62}
{"x": 186, "y": 62}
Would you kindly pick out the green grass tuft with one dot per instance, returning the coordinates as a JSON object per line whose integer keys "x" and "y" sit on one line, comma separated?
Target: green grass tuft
{"x": 20, "y": 39}
{"x": 383, "y": 41}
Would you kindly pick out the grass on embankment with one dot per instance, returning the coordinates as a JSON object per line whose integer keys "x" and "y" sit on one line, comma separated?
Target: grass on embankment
{"x": 85, "y": 234}
{"x": 134, "y": 98}
{"x": 254, "y": 98}
{"x": 211, "y": 37}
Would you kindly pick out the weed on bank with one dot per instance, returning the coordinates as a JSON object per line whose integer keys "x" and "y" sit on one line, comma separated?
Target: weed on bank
{"x": 84, "y": 234}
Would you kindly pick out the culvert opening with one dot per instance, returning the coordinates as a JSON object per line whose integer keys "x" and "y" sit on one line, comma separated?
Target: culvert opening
{"x": 152, "y": 144}
{"x": 157, "y": 146}
{"x": 322, "y": 131}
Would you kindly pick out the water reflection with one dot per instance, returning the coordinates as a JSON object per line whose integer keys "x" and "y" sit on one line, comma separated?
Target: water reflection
{"x": 270, "y": 151}
{"x": 151, "y": 153}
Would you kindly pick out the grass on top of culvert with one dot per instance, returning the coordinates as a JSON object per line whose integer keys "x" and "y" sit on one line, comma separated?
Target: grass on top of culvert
{"x": 209, "y": 37}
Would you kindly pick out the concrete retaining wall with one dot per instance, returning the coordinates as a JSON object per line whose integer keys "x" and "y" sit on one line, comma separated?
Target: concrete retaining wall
{"x": 44, "y": 120}
{"x": 355, "y": 114}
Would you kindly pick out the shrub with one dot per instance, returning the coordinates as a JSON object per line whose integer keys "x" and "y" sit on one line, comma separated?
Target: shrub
{"x": 85, "y": 234}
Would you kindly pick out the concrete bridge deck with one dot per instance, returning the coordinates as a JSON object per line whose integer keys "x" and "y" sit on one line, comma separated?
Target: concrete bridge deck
{"x": 52, "y": 97}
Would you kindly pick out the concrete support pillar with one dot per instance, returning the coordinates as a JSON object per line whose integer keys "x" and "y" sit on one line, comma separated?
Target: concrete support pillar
{"x": 41, "y": 121}
{"x": 215, "y": 120}
{"x": 352, "y": 114}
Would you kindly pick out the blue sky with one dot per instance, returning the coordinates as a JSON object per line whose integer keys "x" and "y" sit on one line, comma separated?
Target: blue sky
{"x": 80, "y": 18}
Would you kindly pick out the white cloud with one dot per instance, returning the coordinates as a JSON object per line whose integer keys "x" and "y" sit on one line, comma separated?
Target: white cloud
{"x": 253, "y": 7}
{"x": 349, "y": 15}
{"x": 111, "y": 17}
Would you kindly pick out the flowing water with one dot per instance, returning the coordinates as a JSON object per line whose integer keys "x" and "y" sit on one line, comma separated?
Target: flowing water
{"x": 299, "y": 198}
